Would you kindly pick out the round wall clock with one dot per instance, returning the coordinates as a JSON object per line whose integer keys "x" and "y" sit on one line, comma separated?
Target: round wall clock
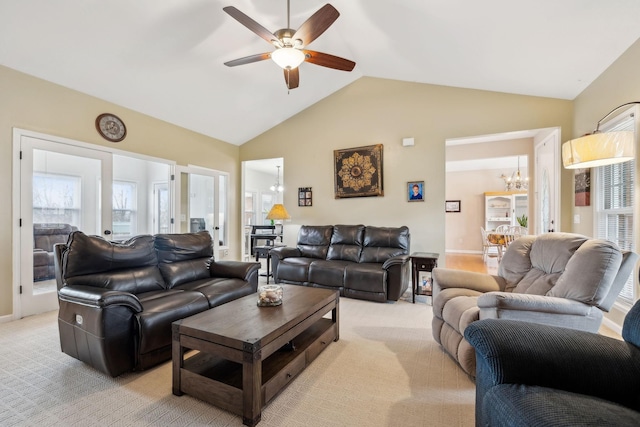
{"x": 111, "y": 127}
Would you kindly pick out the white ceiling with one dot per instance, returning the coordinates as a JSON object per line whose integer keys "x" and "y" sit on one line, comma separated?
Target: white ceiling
{"x": 165, "y": 58}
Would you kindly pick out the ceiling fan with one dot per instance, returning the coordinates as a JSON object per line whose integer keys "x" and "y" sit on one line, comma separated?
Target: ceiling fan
{"x": 290, "y": 44}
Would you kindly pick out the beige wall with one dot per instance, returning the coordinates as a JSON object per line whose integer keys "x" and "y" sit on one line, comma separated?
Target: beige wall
{"x": 619, "y": 84}
{"x": 37, "y": 105}
{"x": 378, "y": 111}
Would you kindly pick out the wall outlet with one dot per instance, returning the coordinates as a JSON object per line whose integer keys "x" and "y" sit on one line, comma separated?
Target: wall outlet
{"x": 576, "y": 219}
{"x": 225, "y": 252}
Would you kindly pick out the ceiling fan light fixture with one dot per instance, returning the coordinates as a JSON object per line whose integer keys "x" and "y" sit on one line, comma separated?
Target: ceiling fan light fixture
{"x": 288, "y": 58}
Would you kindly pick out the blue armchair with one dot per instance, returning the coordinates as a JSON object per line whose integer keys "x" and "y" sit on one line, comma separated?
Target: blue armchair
{"x": 539, "y": 375}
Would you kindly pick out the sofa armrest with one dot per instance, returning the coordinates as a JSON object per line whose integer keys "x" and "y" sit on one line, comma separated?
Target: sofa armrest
{"x": 494, "y": 304}
{"x": 448, "y": 278}
{"x": 516, "y": 352}
{"x": 235, "y": 269}
{"x": 99, "y": 297}
{"x": 282, "y": 252}
{"x": 396, "y": 260}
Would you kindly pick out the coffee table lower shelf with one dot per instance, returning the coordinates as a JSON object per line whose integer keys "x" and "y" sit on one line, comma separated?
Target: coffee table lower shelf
{"x": 219, "y": 381}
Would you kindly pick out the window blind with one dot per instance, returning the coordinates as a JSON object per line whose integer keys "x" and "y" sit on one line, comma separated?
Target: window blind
{"x": 615, "y": 202}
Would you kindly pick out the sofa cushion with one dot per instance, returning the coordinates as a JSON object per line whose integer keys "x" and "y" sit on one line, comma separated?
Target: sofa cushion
{"x": 328, "y": 273}
{"x": 129, "y": 266}
{"x": 294, "y": 269}
{"x": 313, "y": 240}
{"x": 160, "y": 309}
{"x": 219, "y": 290}
{"x": 184, "y": 257}
{"x": 182, "y": 247}
{"x": 365, "y": 277}
{"x": 97, "y": 255}
{"x": 382, "y": 243}
{"x": 522, "y": 405}
{"x": 549, "y": 254}
{"x": 346, "y": 242}
{"x": 589, "y": 273}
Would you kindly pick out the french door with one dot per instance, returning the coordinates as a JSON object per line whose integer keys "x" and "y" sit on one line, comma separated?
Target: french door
{"x": 62, "y": 188}
{"x": 62, "y": 185}
{"x": 201, "y": 196}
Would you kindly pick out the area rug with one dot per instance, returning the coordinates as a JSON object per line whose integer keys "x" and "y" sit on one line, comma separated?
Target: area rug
{"x": 386, "y": 370}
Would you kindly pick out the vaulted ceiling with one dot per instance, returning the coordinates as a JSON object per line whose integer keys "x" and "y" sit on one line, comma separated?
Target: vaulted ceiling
{"x": 165, "y": 58}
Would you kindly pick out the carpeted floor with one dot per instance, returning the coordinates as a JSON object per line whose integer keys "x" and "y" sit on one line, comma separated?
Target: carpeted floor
{"x": 386, "y": 370}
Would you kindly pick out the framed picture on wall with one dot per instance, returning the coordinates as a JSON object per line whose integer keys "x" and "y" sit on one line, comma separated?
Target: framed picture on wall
{"x": 415, "y": 191}
{"x": 583, "y": 187}
{"x": 305, "y": 196}
{"x": 452, "y": 206}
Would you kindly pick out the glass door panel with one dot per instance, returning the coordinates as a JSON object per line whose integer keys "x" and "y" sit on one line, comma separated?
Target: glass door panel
{"x": 140, "y": 197}
{"x": 60, "y": 192}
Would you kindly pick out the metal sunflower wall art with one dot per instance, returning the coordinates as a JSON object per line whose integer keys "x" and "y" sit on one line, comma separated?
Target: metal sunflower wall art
{"x": 358, "y": 172}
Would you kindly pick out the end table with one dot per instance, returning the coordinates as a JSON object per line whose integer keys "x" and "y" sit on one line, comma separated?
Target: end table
{"x": 422, "y": 261}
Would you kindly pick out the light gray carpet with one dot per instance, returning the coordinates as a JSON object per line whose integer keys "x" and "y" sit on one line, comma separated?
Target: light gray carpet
{"x": 385, "y": 370}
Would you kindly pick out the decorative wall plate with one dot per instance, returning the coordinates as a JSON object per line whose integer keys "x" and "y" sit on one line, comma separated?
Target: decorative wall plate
{"x": 110, "y": 127}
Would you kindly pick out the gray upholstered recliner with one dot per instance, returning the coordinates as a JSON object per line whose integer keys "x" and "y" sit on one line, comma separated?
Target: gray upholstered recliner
{"x": 558, "y": 279}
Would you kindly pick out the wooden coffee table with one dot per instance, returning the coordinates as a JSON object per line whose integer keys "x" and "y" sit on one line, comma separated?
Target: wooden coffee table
{"x": 242, "y": 363}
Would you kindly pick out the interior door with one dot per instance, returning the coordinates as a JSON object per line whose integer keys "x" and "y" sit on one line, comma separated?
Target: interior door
{"x": 547, "y": 185}
{"x": 62, "y": 188}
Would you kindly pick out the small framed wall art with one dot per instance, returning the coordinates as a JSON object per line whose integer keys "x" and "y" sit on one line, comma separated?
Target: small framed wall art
{"x": 452, "y": 206}
{"x": 305, "y": 196}
{"x": 415, "y": 191}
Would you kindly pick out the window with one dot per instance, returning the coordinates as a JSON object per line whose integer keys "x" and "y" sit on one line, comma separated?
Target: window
{"x": 124, "y": 210}
{"x": 56, "y": 199}
{"x": 615, "y": 196}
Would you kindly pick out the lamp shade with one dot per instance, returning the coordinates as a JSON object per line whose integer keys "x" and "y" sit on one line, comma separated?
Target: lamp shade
{"x": 598, "y": 149}
{"x": 288, "y": 57}
{"x": 278, "y": 211}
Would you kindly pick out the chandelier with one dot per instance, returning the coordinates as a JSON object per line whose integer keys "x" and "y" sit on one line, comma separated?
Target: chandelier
{"x": 515, "y": 181}
{"x": 277, "y": 187}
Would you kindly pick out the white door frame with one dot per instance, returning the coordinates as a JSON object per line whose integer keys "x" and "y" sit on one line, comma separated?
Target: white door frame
{"x": 552, "y": 139}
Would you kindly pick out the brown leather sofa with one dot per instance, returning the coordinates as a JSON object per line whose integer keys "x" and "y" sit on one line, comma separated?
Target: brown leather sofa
{"x": 44, "y": 237}
{"x": 118, "y": 300}
{"x": 370, "y": 263}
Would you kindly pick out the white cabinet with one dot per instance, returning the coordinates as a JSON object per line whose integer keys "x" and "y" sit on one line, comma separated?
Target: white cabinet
{"x": 503, "y": 207}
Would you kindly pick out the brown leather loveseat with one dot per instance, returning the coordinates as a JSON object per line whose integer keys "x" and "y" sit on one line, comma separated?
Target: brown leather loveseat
{"x": 370, "y": 263}
{"x": 118, "y": 300}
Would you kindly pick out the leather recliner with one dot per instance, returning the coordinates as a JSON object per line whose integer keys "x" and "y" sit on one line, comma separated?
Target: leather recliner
{"x": 118, "y": 300}
{"x": 44, "y": 237}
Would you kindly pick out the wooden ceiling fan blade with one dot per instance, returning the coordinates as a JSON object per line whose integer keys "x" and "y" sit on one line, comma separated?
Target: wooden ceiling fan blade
{"x": 317, "y": 24}
{"x": 252, "y": 25}
{"x": 329, "y": 61}
{"x": 248, "y": 59}
{"x": 292, "y": 78}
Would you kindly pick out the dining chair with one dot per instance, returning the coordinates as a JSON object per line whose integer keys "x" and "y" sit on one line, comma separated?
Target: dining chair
{"x": 487, "y": 245}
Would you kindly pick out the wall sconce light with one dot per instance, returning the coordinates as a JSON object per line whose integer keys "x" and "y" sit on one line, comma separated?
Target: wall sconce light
{"x": 598, "y": 148}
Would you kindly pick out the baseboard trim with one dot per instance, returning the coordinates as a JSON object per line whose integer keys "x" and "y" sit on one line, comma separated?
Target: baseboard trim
{"x": 462, "y": 251}
{"x": 612, "y": 325}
